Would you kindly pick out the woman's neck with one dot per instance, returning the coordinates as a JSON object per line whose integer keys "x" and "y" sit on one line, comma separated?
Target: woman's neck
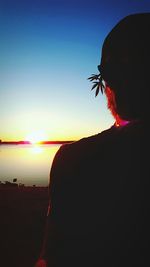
{"x": 120, "y": 122}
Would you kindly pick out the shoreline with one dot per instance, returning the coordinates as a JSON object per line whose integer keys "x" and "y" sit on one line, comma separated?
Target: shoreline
{"x": 37, "y": 143}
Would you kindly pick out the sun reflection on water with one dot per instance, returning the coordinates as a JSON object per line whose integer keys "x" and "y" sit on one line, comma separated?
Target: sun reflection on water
{"x": 30, "y": 164}
{"x": 36, "y": 149}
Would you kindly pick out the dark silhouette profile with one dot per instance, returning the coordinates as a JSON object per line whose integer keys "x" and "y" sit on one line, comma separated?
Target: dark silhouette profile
{"x": 100, "y": 186}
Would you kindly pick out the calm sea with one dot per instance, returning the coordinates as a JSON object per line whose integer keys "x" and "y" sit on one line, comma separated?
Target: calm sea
{"x": 29, "y": 164}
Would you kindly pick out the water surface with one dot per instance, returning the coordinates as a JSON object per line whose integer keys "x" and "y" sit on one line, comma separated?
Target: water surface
{"x": 29, "y": 164}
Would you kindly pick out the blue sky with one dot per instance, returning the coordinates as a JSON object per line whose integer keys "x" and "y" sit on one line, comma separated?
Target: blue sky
{"x": 48, "y": 49}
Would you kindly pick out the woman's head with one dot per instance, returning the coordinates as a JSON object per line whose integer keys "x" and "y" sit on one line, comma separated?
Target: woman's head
{"x": 125, "y": 65}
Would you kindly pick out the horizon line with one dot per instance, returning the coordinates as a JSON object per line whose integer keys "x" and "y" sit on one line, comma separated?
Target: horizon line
{"x": 46, "y": 142}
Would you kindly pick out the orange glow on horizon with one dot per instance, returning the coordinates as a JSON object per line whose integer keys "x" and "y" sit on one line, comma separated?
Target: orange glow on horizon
{"x": 36, "y": 137}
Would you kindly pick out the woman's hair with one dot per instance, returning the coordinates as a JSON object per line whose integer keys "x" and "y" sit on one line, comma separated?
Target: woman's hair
{"x": 125, "y": 65}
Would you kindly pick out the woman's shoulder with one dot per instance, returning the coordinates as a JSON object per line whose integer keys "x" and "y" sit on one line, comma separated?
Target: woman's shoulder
{"x": 106, "y": 138}
{"x": 85, "y": 144}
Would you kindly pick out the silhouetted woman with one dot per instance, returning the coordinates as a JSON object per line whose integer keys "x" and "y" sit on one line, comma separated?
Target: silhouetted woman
{"x": 100, "y": 185}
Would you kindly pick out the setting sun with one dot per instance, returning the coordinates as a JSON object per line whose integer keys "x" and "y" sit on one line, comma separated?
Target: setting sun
{"x": 36, "y": 137}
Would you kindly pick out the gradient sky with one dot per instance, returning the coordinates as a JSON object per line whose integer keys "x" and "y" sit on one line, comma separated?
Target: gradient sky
{"x": 48, "y": 49}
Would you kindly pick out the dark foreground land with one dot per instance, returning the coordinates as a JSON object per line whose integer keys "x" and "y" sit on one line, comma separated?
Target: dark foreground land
{"x": 22, "y": 222}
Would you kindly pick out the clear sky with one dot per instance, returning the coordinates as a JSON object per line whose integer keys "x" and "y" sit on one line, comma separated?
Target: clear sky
{"x": 48, "y": 49}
